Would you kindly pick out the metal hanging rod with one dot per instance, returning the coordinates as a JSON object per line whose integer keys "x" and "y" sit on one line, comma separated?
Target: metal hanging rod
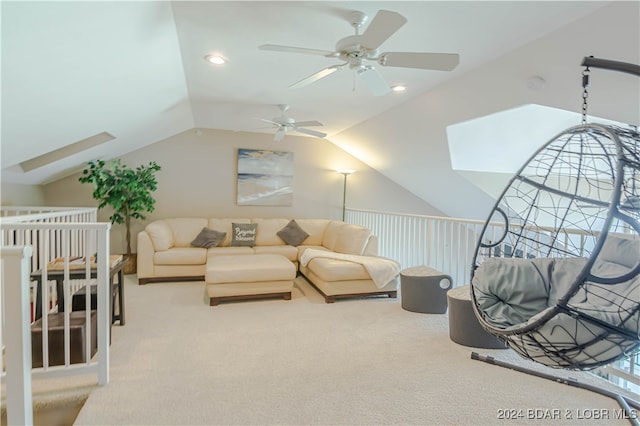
{"x": 590, "y": 61}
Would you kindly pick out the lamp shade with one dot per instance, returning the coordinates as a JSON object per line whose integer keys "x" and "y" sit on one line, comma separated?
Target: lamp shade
{"x": 345, "y": 171}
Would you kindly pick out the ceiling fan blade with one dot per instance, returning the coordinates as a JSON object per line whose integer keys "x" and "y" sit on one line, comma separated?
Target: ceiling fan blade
{"x": 308, "y": 123}
{"x": 293, "y": 49}
{"x": 310, "y": 132}
{"x": 280, "y": 134}
{"x": 270, "y": 121}
{"x": 383, "y": 26}
{"x": 315, "y": 77}
{"x": 426, "y": 61}
{"x": 374, "y": 81}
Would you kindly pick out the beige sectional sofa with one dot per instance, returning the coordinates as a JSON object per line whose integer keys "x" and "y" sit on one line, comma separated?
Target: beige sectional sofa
{"x": 342, "y": 262}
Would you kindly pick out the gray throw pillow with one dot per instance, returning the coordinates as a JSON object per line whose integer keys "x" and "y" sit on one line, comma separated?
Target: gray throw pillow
{"x": 244, "y": 234}
{"x": 293, "y": 234}
{"x": 208, "y": 238}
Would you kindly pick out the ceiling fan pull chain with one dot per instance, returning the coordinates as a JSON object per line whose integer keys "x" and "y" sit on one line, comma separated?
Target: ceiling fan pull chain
{"x": 585, "y": 93}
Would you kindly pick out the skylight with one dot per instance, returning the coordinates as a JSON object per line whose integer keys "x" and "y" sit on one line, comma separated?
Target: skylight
{"x": 489, "y": 150}
{"x": 66, "y": 151}
{"x": 504, "y": 141}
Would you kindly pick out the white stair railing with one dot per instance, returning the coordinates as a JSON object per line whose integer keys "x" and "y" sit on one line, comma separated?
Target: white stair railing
{"x": 48, "y": 214}
{"x": 15, "y": 274}
{"x": 17, "y": 214}
{"x": 52, "y": 235}
{"x": 72, "y": 240}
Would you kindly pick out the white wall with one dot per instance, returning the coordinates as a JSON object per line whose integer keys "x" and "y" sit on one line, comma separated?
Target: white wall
{"x": 198, "y": 179}
{"x": 14, "y": 194}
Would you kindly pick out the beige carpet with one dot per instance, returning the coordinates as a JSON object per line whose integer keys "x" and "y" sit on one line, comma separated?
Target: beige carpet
{"x": 365, "y": 361}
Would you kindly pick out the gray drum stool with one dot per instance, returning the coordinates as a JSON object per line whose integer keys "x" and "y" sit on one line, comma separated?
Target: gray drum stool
{"x": 424, "y": 290}
{"x": 464, "y": 327}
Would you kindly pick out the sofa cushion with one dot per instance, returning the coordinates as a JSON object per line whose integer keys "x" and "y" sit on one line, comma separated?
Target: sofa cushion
{"x": 208, "y": 238}
{"x": 352, "y": 239}
{"x": 331, "y": 234}
{"x": 185, "y": 230}
{"x": 244, "y": 234}
{"x": 293, "y": 234}
{"x": 225, "y": 225}
{"x": 289, "y": 252}
{"x": 267, "y": 233}
{"x": 315, "y": 228}
{"x": 337, "y": 270}
{"x": 181, "y": 256}
{"x": 226, "y": 251}
{"x": 161, "y": 235}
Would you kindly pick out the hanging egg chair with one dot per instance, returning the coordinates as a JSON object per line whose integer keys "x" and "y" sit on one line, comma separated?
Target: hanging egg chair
{"x": 556, "y": 273}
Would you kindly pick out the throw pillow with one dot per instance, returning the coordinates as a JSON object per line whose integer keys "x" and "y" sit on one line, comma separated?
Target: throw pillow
{"x": 293, "y": 234}
{"x": 244, "y": 234}
{"x": 208, "y": 238}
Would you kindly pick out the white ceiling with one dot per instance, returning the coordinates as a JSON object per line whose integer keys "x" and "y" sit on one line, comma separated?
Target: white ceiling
{"x": 71, "y": 70}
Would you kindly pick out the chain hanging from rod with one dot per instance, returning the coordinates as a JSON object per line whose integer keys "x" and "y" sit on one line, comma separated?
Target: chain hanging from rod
{"x": 585, "y": 93}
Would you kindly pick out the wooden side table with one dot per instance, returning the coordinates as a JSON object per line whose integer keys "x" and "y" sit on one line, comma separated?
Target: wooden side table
{"x": 117, "y": 264}
{"x": 77, "y": 339}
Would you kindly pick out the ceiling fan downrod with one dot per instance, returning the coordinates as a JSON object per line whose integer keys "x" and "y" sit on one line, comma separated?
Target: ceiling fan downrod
{"x": 357, "y": 20}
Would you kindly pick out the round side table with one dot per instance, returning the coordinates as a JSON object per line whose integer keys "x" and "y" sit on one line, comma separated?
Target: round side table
{"x": 464, "y": 327}
{"x": 424, "y": 290}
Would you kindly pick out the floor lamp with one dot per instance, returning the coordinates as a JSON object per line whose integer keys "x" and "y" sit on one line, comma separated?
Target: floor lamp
{"x": 345, "y": 173}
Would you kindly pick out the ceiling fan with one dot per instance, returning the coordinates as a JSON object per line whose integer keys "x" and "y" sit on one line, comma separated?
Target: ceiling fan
{"x": 356, "y": 49}
{"x": 284, "y": 124}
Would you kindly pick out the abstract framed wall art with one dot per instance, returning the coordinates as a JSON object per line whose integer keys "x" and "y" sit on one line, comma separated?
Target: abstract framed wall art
{"x": 265, "y": 177}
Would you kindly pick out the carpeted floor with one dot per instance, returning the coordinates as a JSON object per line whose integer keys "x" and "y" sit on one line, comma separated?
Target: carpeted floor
{"x": 265, "y": 362}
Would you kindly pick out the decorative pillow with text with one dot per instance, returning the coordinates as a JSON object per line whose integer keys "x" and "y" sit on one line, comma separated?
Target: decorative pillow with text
{"x": 243, "y": 234}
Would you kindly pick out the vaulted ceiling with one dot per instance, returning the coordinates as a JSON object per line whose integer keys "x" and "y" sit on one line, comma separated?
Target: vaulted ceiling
{"x": 136, "y": 71}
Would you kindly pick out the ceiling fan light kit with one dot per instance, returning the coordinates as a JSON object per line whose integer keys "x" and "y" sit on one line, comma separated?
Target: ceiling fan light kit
{"x": 354, "y": 50}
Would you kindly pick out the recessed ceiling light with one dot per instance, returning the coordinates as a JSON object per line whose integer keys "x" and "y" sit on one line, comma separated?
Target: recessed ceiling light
{"x": 216, "y": 59}
{"x": 399, "y": 88}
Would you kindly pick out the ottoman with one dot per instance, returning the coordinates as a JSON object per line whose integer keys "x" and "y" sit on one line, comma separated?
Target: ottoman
{"x": 424, "y": 290}
{"x": 248, "y": 276}
{"x": 464, "y": 327}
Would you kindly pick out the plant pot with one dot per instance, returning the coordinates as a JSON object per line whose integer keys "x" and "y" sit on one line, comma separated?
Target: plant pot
{"x": 132, "y": 265}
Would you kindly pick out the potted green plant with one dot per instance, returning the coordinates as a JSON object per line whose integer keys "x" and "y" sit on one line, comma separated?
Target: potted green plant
{"x": 128, "y": 191}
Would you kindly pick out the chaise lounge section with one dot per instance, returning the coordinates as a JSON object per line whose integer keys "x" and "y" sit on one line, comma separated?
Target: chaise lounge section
{"x": 342, "y": 262}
